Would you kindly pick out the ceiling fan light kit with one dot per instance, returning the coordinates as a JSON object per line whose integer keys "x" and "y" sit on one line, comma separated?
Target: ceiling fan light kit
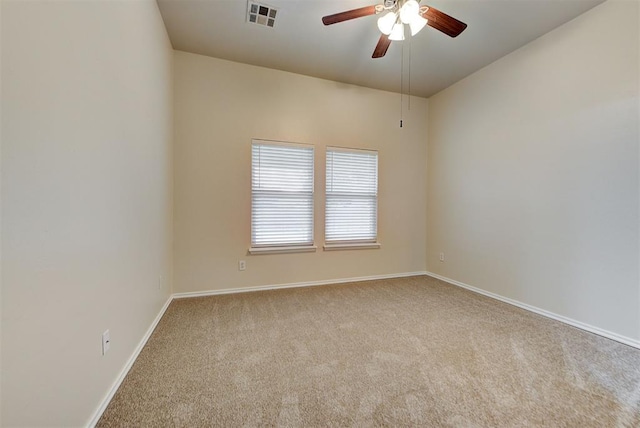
{"x": 392, "y": 23}
{"x": 397, "y": 34}
{"x": 408, "y": 11}
{"x": 398, "y": 14}
{"x": 386, "y": 22}
{"x": 417, "y": 24}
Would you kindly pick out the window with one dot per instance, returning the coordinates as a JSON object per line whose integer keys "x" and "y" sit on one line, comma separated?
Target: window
{"x": 281, "y": 197}
{"x": 351, "y": 215}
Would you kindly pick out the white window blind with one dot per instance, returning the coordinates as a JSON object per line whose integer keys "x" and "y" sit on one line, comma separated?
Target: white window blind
{"x": 352, "y": 196}
{"x": 281, "y": 194}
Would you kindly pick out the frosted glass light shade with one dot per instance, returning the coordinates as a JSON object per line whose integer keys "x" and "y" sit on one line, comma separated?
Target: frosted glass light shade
{"x": 397, "y": 33}
{"x": 386, "y": 22}
{"x": 409, "y": 11}
{"x": 417, "y": 24}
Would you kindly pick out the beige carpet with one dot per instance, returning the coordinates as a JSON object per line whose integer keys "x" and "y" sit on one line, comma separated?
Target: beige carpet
{"x": 412, "y": 352}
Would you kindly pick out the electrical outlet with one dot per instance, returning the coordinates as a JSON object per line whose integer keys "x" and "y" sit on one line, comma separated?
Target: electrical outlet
{"x": 242, "y": 265}
{"x": 106, "y": 342}
{"x": 441, "y": 257}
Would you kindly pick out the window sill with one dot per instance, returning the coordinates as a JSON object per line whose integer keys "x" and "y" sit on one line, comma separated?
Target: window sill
{"x": 356, "y": 246}
{"x": 282, "y": 250}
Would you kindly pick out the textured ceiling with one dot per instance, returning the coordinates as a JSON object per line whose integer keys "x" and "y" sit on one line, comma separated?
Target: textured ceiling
{"x": 300, "y": 43}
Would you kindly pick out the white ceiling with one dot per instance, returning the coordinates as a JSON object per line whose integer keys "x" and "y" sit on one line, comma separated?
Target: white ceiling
{"x": 300, "y": 43}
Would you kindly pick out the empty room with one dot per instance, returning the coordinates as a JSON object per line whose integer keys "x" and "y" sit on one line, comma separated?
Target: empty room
{"x": 320, "y": 213}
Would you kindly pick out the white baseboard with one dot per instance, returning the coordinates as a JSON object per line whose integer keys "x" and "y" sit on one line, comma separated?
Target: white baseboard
{"x": 294, "y": 285}
{"x": 589, "y": 328}
{"x": 105, "y": 401}
{"x": 586, "y": 327}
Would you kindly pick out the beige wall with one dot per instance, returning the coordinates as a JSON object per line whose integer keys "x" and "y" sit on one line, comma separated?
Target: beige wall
{"x": 0, "y": 211}
{"x": 220, "y": 106}
{"x": 533, "y": 173}
{"x": 86, "y": 199}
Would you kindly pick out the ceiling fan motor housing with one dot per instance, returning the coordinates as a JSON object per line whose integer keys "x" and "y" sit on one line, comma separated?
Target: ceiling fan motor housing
{"x": 389, "y": 4}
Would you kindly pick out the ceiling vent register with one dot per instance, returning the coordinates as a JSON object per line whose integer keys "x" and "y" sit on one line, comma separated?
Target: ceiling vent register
{"x": 261, "y": 14}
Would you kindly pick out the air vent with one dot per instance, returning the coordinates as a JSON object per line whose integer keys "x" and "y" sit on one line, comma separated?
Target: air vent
{"x": 261, "y": 14}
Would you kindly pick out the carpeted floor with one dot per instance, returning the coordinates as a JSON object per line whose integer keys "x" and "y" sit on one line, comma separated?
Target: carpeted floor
{"x": 411, "y": 351}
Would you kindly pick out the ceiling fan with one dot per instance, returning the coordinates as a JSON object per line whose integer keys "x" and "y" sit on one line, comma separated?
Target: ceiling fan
{"x": 397, "y": 14}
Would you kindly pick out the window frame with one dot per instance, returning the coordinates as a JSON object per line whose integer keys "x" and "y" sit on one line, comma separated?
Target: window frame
{"x": 350, "y": 244}
{"x": 283, "y": 247}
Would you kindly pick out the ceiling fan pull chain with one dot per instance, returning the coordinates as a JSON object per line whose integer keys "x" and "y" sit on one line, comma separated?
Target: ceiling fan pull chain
{"x": 401, "y": 81}
{"x": 409, "y": 89}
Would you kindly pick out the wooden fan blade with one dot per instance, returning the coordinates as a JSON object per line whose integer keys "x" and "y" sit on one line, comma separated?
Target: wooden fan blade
{"x": 381, "y": 47}
{"x": 349, "y": 14}
{"x": 443, "y": 22}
